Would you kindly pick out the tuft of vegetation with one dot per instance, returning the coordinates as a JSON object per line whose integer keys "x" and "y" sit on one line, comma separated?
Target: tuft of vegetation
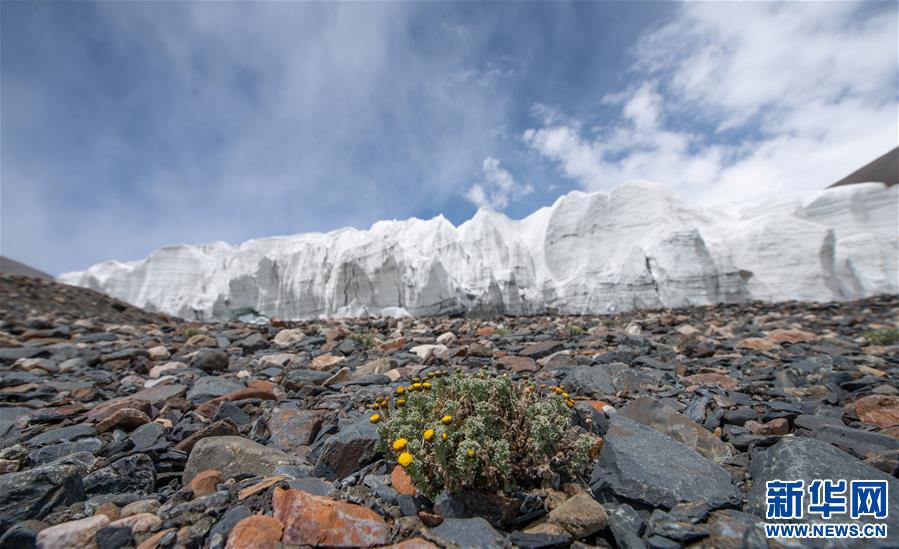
{"x": 887, "y": 336}
{"x": 503, "y": 332}
{"x": 190, "y": 332}
{"x": 480, "y": 432}
{"x": 575, "y": 330}
{"x": 366, "y": 340}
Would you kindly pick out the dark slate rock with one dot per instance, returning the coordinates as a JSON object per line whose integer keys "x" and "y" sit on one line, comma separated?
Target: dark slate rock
{"x": 34, "y": 493}
{"x": 114, "y": 537}
{"x": 23, "y": 535}
{"x": 640, "y": 465}
{"x": 56, "y": 451}
{"x": 63, "y": 434}
{"x": 252, "y": 343}
{"x": 212, "y": 386}
{"x": 134, "y": 473}
{"x": 351, "y": 449}
{"x": 859, "y": 443}
{"x": 449, "y": 506}
{"x": 230, "y": 410}
{"x": 474, "y": 533}
{"x": 626, "y": 525}
{"x": 147, "y": 436}
{"x": 210, "y": 360}
{"x": 380, "y": 485}
{"x": 801, "y": 458}
{"x": 12, "y": 354}
{"x": 739, "y": 416}
{"x": 593, "y": 380}
{"x": 538, "y": 541}
{"x": 312, "y": 485}
{"x": 219, "y": 533}
{"x": 120, "y": 500}
{"x": 541, "y": 349}
{"x": 297, "y": 379}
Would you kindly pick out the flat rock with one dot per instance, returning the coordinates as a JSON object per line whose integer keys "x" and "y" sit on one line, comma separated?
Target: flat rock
{"x": 257, "y": 531}
{"x": 76, "y": 533}
{"x": 134, "y": 473}
{"x": 474, "y": 533}
{"x": 292, "y": 428}
{"x": 234, "y": 455}
{"x": 352, "y": 448}
{"x": 315, "y": 520}
{"x": 666, "y": 420}
{"x": 640, "y": 464}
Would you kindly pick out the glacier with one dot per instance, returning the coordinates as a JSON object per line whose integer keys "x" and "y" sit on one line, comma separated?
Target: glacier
{"x": 640, "y": 245}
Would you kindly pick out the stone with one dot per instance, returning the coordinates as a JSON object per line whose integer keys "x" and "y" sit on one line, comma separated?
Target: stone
{"x": 668, "y": 421}
{"x": 76, "y": 533}
{"x": 114, "y": 537}
{"x": 541, "y": 349}
{"x": 22, "y": 535}
{"x": 292, "y": 428}
{"x": 56, "y": 451}
{"x": 533, "y": 540}
{"x": 807, "y": 459}
{"x": 221, "y": 428}
{"x": 790, "y": 336}
{"x": 580, "y": 516}
{"x": 776, "y": 426}
{"x": 212, "y": 386}
{"x": 63, "y": 434}
{"x": 253, "y": 342}
{"x": 424, "y": 352}
{"x": 126, "y": 419}
{"x": 626, "y": 525}
{"x": 255, "y": 532}
{"x": 232, "y": 456}
{"x": 219, "y": 533}
{"x": 288, "y": 338}
{"x": 34, "y": 493}
{"x": 210, "y": 360}
{"x": 110, "y": 509}
{"x": 711, "y": 378}
{"x": 139, "y": 523}
{"x": 352, "y": 448}
{"x": 756, "y": 344}
{"x": 134, "y": 473}
{"x": 402, "y": 482}
{"x": 159, "y": 352}
{"x": 140, "y": 506}
{"x": 315, "y": 520}
{"x": 414, "y": 543}
{"x": 148, "y": 436}
{"x": 642, "y": 465}
{"x": 168, "y": 367}
{"x": 879, "y": 410}
{"x": 153, "y": 541}
{"x": 260, "y": 486}
{"x": 518, "y": 364}
{"x": 378, "y": 366}
{"x": 200, "y": 340}
{"x": 473, "y": 533}
{"x": 326, "y": 362}
{"x": 205, "y": 482}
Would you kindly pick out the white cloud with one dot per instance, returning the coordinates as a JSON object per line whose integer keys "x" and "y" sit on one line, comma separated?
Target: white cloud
{"x": 744, "y": 101}
{"x": 498, "y": 187}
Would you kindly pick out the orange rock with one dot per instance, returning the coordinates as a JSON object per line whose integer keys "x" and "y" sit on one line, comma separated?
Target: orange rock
{"x": 879, "y": 410}
{"x": 261, "y": 384}
{"x": 317, "y": 520}
{"x": 152, "y": 541}
{"x": 402, "y": 482}
{"x": 392, "y": 345}
{"x": 756, "y": 344}
{"x": 485, "y": 331}
{"x": 711, "y": 378}
{"x": 259, "y": 486}
{"x": 111, "y": 510}
{"x": 256, "y": 532}
{"x": 204, "y": 483}
{"x": 326, "y": 362}
{"x": 790, "y": 336}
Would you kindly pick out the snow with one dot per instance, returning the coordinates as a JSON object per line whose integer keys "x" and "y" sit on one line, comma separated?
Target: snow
{"x": 640, "y": 245}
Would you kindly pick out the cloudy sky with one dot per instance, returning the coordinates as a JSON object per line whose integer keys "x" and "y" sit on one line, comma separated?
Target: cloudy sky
{"x": 127, "y": 126}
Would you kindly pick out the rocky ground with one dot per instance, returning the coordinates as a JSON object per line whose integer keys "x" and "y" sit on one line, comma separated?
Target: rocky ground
{"x": 120, "y": 428}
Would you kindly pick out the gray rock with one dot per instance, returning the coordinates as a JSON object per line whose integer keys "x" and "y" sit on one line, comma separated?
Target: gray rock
{"x": 641, "y": 465}
{"x": 56, "y": 451}
{"x": 474, "y": 533}
{"x": 209, "y": 360}
{"x": 859, "y": 443}
{"x": 626, "y": 525}
{"x": 666, "y": 420}
{"x": 312, "y": 485}
{"x": 351, "y": 449}
{"x": 541, "y": 349}
{"x": 34, "y": 493}
{"x": 219, "y": 533}
{"x": 63, "y": 434}
{"x": 114, "y": 537}
{"x": 134, "y": 473}
{"x": 234, "y": 455}
{"x": 23, "y": 535}
{"x": 212, "y": 386}
{"x": 147, "y": 436}
{"x": 800, "y": 458}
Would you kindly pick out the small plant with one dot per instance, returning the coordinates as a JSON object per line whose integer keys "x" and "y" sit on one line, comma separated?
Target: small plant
{"x": 503, "y": 332}
{"x": 574, "y": 330}
{"x": 480, "y": 432}
{"x": 887, "y": 336}
{"x": 366, "y": 340}
{"x": 190, "y": 332}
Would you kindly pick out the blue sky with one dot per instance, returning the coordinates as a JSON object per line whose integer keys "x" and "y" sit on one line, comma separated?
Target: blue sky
{"x": 128, "y": 126}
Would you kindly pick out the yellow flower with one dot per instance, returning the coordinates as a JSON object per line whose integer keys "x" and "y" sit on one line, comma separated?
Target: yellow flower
{"x": 446, "y": 420}
{"x": 569, "y": 403}
{"x": 400, "y": 390}
{"x": 426, "y": 386}
{"x": 566, "y": 395}
{"x": 400, "y": 402}
{"x": 444, "y": 436}
{"x": 400, "y": 444}
{"x": 405, "y": 459}
{"x": 470, "y": 452}
{"x": 374, "y": 418}
{"x": 429, "y": 434}
{"x": 416, "y": 386}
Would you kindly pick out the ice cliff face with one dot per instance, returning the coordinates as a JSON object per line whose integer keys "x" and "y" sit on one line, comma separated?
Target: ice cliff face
{"x": 639, "y": 245}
